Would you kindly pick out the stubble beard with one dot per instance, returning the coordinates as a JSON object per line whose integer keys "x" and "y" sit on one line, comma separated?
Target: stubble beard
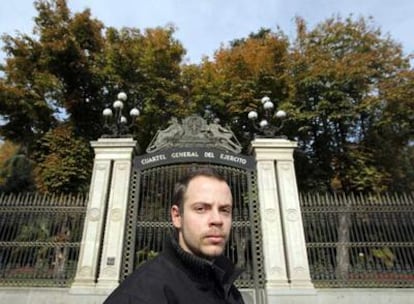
{"x": 202, "y": 248}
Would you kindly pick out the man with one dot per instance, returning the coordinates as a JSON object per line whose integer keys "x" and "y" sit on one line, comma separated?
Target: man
{"x": 192, "y": 267}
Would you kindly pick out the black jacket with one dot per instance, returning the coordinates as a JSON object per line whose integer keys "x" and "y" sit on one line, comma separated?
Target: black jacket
{"x": 177, "y": 277}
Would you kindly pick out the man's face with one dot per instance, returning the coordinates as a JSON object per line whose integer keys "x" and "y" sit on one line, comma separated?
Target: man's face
{"x": 204, "y": 224}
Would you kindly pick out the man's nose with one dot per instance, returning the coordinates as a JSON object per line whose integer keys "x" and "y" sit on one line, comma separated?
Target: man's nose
{"x": 215, "y": 217}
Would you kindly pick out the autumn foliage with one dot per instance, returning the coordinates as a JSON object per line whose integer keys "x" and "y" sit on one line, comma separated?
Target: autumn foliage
{"x": 347, "y": 88}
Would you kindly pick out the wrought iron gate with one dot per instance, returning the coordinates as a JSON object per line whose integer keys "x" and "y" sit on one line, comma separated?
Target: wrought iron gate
{"x": 153, "y": 179}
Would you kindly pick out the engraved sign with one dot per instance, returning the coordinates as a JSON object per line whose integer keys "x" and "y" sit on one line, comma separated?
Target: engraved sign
{"x": 183, "y": 155}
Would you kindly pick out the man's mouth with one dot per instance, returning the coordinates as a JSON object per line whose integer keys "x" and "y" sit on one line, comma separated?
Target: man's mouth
{"x": 215, "y": 238}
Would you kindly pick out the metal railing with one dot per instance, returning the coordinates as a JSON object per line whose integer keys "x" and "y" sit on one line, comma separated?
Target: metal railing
{"x": 360, "y": 240}
{"x": 40, "y": 238}
{"x": 352, "y": 240}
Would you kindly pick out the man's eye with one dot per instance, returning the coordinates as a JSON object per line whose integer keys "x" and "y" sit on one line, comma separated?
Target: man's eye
{"x": 199, "y": 209}
{"x": 226, "y": 211}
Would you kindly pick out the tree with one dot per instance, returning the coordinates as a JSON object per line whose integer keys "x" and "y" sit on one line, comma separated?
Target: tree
{"x": 15, "y": 169}
{"x": 74, "y": 67}
{"x": 346, "y": 111}
{"x": 64, "y": 162}
{"x": 348, "y": 90}
{"x": 240, "y": 75}
{"x": 71, "y": 46}
{"x": 351, "y": 83}
{"x": 147, "y": 67}
{"x": 52, "y": 75}
{"x": 23, "y": 108}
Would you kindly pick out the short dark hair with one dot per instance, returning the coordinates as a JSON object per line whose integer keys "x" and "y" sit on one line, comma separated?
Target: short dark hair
{"x": 181, "y": 186}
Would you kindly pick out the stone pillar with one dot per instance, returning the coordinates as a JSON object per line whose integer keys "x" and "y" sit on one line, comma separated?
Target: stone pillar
{"x": 108, "y": 195}
{"x": 286, "y": 262}
{"x": 272, "y": 231}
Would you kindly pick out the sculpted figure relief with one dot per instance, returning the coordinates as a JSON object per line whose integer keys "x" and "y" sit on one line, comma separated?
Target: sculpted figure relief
{"x": 224, "y": 137}
{"x": 165, "y": 138}
{"x": 194, "y": 131}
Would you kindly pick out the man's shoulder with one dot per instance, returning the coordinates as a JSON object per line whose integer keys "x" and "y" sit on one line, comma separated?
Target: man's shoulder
{"x": 146, "y": 283}
{"x": 157, "y": 268}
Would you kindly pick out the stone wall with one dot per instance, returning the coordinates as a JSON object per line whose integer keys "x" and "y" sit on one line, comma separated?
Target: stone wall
{"x": 320, "y": 296}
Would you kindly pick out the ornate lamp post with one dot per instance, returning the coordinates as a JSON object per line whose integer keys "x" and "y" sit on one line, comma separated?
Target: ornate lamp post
{"x": 265, "y": 126}
{"x": 116, "y": 123}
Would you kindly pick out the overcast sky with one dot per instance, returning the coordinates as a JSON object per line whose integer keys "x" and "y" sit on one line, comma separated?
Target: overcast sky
{"x": 203, "y": 25}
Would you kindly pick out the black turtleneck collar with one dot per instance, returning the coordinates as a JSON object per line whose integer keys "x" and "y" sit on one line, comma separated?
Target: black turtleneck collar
{"x": 221, "y": 270}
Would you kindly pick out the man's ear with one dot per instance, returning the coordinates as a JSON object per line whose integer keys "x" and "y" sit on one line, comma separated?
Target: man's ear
{"x": 175, "y": 216}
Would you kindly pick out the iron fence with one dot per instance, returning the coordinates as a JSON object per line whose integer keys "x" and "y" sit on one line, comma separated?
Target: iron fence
{"x": 360, "y": 240}
{"x": 40, "y": 238}
{"x": 352, "y": 240}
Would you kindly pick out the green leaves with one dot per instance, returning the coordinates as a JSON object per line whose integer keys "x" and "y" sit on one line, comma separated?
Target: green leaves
{"x": 63, "y": 162}
{"x": 347, "y": 90}
{"x": 385, "y": 255}
{"x": 340, "y": 68}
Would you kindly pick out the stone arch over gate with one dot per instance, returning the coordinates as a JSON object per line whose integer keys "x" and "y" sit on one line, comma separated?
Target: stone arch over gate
{"x": 173, "y": 152}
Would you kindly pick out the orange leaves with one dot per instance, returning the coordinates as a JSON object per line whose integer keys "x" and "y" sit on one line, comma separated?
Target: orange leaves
{"x": 253, "y": 56}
